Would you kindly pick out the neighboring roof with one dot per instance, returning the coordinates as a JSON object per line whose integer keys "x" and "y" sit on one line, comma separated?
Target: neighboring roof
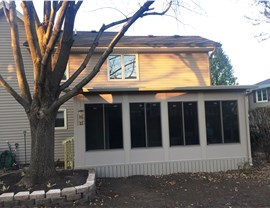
{"x": 219, "y": 88}
{"x": 19, "y": 14}
{"x": 83, "y": 39}
{"x": 264, "y": 82}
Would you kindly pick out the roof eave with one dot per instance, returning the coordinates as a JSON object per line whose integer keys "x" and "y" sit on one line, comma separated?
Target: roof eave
{"x": 148, "y": 49}
{"x": 221, "y": 88}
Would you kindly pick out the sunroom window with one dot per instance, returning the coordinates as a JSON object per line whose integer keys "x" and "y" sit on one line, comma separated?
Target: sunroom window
{"x": 183, "y": 123}
{"x": 103, "y": 126}
{"x": 222, "y": 122}
{"x": 145, "y": 125}
{"x": 122, "y": 67}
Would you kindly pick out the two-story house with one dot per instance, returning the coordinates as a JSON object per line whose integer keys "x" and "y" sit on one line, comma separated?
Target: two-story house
{"x": 150, "y": 109}
{"x": 260, "y": 96}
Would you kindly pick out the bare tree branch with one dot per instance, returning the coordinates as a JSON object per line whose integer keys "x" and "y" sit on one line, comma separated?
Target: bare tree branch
{"x": 63, "y": 50}
{"x": 32, "y": 39}
{"x": 5, "y": 12}
{"x": 15, "y": 43}
{"x": 50, "y": 24}
{"x": 17, "y": 97}
{"x": 51, "y": 44}
{"x": 95, "y": 44}
{"x": 77, "y": 89}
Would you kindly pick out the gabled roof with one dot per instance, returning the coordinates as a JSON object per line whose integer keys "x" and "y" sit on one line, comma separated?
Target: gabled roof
{"x": 19, "y": 15}
{"x": 83, "y": 39}
{"x": 264, "y": 82}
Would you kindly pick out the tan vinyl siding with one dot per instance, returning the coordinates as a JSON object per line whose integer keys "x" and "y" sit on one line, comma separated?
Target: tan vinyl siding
{"x": 156, "y": 70}
{"x": 13, "y": 120}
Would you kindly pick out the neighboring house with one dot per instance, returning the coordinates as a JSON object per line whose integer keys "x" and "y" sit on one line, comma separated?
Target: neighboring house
{"x": 150, "y": 109}
{"x": 13, "y": 120}
{"x": 260, "y": 96}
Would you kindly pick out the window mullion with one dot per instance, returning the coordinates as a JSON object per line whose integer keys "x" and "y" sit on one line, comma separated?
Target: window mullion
{"x": 145, "y": 121}
{"x": 221, "y": 121}
{"x": 183, "y": 123}
{"x": 123, "y": 66}
{"x": 104, "y": 131}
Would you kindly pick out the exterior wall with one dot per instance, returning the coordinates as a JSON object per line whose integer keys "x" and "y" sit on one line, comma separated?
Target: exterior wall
{"x": 252, "y": 100}
{"x": 13, "y": 120}
{"x": 156, "y": 70}
{"x": 165, "y": 159}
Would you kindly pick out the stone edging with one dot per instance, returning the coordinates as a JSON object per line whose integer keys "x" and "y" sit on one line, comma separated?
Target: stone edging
{"x": 67, "y": 196}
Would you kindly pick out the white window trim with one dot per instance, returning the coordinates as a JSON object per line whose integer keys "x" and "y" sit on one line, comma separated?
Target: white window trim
{"x": 123, "y": 77}
{"x": 65, "y": 119}
{"x": 261, "y": 101}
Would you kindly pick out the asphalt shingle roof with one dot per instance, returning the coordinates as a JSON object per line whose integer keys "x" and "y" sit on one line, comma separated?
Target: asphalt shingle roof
{"x": 264, "y": 82}
{"x": 85, "y": 38}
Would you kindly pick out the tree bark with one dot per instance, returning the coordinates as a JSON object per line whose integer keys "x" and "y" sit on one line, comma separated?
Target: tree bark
{"x": 42, "y": 166}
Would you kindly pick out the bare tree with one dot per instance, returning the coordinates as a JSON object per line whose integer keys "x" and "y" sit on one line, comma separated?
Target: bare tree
{"x": 259, "y": 119}
{"x": 49, "y": 64}
{"x": 261, "y": 18}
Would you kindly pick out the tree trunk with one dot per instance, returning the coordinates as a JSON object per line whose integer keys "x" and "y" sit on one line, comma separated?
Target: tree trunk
{"x": 42, "y": 167}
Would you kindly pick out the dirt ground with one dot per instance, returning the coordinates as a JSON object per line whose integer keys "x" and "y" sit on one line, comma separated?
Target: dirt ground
{"x": 241, "y": 188}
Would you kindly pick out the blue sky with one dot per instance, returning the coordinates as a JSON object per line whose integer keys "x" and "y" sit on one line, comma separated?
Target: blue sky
{"x": 223, "y": 21}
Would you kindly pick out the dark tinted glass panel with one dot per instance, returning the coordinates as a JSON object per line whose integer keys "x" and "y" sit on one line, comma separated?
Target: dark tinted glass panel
{"x": 213, "y": 122}
{"x": 230, "y": 121}
{"x": 137, "y": 125}
{"x": 153, "y": 124}
{"x": 60, "y": 120}
{"x": 191, "y": 123}
{"x": 94, "y": 127}
{"x": 175, "y": 123}
{"x": 113, "y": 126}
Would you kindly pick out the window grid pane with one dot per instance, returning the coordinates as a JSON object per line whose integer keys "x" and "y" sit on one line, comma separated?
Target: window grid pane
{"x": 130, "y": 67}
{"x": 115, "y": 67}
{"x": 213, "y": 122}
{"x": 60, "y": 119}
{"x": 191, "y": 123}
{"x": 153, "y": 124}
{"x": 230, "y": 121}
{"x": 175, "y": 123}
{"x": 137, "y": 125}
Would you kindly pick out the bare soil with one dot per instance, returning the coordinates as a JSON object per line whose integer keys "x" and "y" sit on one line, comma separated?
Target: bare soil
{"x": 241, "y": 188}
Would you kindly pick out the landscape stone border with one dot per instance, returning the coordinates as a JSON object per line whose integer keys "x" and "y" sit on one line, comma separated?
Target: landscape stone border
{"x": 54, "y": 197}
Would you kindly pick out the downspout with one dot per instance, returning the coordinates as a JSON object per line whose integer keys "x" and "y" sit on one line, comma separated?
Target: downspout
{"x": 247, "y": 130}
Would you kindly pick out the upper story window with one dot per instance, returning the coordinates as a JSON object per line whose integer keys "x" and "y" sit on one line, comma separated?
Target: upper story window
{"x": 261, "y": 95}
{"x": 122, "y": 67}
